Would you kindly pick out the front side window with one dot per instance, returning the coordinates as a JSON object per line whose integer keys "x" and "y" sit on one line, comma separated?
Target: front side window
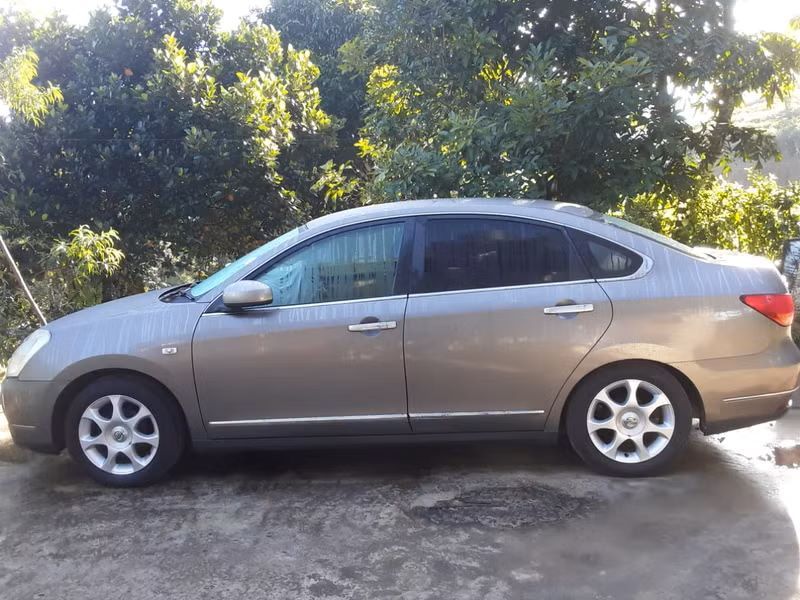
{"x": 354, "y": 264}
{"x": 464, "y": 254}
{"x": 251, "y": 258}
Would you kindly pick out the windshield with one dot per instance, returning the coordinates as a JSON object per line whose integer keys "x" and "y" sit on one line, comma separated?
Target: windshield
{"x": 652, "y": 235}
{"x": 251, "y": 258}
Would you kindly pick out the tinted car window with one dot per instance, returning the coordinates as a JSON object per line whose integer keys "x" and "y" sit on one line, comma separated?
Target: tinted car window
{"x": 604, "y": 258}
{"x": 462, "y": 254}
{"x": 354, "y": 264}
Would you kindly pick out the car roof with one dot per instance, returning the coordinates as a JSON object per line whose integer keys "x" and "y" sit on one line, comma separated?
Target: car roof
{"x": 562, "y": 213}
{"x": 544, "y": 209}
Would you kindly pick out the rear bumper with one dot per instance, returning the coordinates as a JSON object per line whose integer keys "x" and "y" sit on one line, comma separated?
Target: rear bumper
{"x": 744, "y": 412}
{"x": 745, "y": 390}
{"x": 28, "y": 406}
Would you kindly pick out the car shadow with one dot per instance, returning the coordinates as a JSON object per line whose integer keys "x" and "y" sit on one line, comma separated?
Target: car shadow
{"x": 383, "y": 461}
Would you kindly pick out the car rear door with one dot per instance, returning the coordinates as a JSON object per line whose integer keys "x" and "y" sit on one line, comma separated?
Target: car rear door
{"x": 502, "y": 311}
{"x": 326, "y": 357}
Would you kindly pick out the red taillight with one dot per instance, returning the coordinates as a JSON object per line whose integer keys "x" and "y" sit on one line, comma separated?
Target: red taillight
{"x": 778, "y": 307}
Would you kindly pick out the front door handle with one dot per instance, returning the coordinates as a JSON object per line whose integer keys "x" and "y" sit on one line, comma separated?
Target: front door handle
{"x": 374, "y": 326}
{"x": 568, "y": 309}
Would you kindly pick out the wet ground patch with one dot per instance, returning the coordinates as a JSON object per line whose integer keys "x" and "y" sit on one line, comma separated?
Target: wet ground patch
{"x": 507, "y": 507}
{"x": 787, "y": 455}
{"x": 10, "y": 453}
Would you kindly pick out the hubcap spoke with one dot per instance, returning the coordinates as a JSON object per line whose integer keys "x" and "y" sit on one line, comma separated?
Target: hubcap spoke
{"x": 664, "y": 429}
{"x": 142, "y": 413}
{"x": 611, "y": 449}
{"x": 116, "y": 407}
{"x": 597, "y": 425}
{"x": 632, "y": 387}
{"x": 143, "y": 438}
{"x": 137, "y": 462}
{"x": 641, "y": 449}
{"x": 110, "y": 461}
{"x": 604, "y": 399}
{"x": 89, "y": 441}
{"x": 93, "y": 414}
{"x": 658, "y": 401}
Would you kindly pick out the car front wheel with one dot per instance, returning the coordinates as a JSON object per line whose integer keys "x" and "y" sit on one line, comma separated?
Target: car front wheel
{"x": 124, "y": 431}
{"x": 629, "y": 420}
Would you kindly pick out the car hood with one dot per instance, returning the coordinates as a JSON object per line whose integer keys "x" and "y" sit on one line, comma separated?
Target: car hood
{"x": 137, "y": 305}
{"x": 129, "y": 333}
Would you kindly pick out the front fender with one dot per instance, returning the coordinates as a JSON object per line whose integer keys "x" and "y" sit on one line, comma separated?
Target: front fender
{"x": 153, "y": 338}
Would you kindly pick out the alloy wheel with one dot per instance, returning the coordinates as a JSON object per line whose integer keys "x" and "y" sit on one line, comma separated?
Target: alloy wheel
{"x": 118, "y": 434}
{"x": 630, "y": 421}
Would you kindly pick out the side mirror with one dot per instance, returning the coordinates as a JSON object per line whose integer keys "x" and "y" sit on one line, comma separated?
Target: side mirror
{"x": 247, "y": 293}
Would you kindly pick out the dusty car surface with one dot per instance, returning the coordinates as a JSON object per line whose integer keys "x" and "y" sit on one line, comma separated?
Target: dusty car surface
{"x": 421, "y": 320}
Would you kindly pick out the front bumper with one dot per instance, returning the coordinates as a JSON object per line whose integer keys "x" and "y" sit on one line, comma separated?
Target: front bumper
{"x": 28, "y": 407}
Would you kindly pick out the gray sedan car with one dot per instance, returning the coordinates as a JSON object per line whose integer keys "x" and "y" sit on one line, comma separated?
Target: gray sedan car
{"x": 419, "y": 321}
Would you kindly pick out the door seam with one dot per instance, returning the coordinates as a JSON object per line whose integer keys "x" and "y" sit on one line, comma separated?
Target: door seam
{"x": 405, "y": 371}
{"x": 585, "y": 356}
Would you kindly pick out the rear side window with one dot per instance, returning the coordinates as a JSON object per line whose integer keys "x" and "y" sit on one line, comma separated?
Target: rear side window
{"x": 605, "y": 259}
{"x": 465, "y": 254}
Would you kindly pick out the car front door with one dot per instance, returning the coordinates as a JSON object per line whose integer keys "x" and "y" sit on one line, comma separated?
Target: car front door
{"x": 501, "y": 313}
{"x": 326, "y": 356}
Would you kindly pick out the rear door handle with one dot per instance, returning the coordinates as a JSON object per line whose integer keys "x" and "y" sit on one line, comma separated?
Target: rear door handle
{"x": 376, "y": 326}
{"x": 568, "y": 309}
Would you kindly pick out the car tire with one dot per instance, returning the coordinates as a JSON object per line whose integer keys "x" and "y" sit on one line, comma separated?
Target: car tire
{"x": 124, "y": 430}
{"x": 629, "y": 420}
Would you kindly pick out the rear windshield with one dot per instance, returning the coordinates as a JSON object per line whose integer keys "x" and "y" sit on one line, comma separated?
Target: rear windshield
{"x": 651, "y": 235}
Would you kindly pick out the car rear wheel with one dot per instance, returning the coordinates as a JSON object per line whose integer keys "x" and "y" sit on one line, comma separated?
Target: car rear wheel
{"x": 629, "y": 420}
{"x": 124, "y": 431}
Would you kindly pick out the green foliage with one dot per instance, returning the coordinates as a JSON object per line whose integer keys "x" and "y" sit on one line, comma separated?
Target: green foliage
{"x": 77, "y": 267}
{"x": 325, "y": 27}
{"x": 755, "y": 219}
{"x": 322, "y": 27}
{"x": 17, "y": 71}
{"x": 194, "y": 145}
{"x": 67, "y": 276}
{"x": 88, "y": 254}
{"x": 570, "y": 99}
{"x": 337, "y": 183}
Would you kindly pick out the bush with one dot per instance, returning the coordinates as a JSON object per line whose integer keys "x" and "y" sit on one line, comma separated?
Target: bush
{"x": 755, "y": 219}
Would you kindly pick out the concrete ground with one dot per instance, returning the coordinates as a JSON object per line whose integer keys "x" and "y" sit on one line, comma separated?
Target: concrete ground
{"x": 450, "y": 521}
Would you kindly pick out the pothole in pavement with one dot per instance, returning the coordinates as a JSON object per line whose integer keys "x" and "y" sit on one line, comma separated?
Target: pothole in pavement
{"x": 506, "y": 507}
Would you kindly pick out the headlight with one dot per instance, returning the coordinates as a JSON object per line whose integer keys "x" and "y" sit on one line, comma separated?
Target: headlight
{"x": 30, "y": 346}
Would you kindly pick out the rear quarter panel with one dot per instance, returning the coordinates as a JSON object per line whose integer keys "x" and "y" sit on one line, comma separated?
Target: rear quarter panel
{"x": 683, "y": 312}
